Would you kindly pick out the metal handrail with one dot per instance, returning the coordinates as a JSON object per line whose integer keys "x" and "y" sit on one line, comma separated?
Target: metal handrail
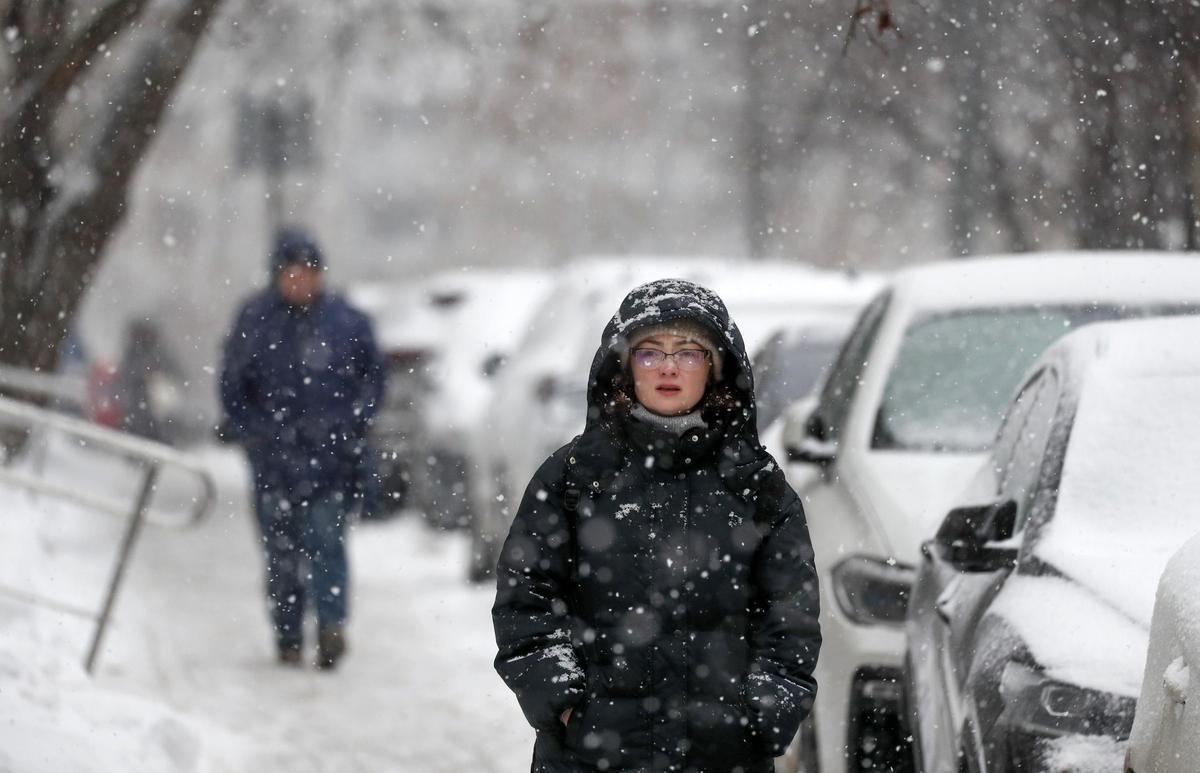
{"x": 130, "y": 446}
{"x": 68, "y": 388}
{"x": 152, "y": 456}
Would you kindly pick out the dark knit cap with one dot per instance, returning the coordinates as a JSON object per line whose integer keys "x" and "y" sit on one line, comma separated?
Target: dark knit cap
{"x": 294, "y": 245}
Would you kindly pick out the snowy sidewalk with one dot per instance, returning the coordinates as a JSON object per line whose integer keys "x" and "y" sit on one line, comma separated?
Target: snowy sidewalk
{"x": 415, "y": 693}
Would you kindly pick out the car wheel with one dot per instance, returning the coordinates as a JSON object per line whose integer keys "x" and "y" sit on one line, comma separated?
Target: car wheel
{"x": 801, "y": 754}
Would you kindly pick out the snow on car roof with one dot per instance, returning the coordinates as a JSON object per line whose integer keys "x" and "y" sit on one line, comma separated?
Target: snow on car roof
{"x": 760, "y": 295}
{"x": 771, "y": 281}
{"x": 419, "y": 314}
{"x": 1125, "y": 277}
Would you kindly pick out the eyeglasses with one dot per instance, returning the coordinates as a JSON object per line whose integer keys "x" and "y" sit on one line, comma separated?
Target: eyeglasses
{"x": 686, "y": 359}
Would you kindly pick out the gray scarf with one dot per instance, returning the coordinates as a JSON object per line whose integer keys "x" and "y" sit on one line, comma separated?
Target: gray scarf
{"x": 676, "y": 425}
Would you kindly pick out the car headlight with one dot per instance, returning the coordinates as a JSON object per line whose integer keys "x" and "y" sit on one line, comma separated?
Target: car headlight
{"x": 1042, "y": 706}
{"x": 873, "y": 592}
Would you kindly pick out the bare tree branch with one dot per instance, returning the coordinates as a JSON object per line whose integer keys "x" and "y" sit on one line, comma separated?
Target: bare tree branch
{"x": 46, "y": 94}
{"x": 140, "y": 104}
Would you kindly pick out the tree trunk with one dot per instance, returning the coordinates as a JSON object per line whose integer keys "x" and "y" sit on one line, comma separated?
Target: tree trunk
{"x": 52, "y": 234}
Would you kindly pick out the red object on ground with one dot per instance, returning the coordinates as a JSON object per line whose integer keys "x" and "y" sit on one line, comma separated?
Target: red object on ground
{"x": 104, "y": 400}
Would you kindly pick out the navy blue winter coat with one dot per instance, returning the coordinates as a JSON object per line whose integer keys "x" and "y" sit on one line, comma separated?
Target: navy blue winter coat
{"x": 300, "y": 385}
{"x": 661, "y": 586}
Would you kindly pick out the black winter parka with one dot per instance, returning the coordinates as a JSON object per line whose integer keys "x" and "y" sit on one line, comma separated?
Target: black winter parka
{"x": 662, "y": 586}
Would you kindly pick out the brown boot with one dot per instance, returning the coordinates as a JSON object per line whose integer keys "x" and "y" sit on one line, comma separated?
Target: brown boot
{"x": 331, "y": 645}
{"x": 289, "y": 656}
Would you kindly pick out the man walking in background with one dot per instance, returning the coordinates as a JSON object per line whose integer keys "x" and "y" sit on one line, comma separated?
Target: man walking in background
{"x": 301, "y": 380}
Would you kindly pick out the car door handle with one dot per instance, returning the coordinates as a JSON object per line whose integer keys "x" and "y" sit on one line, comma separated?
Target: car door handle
{"x": 1176, "y": 679}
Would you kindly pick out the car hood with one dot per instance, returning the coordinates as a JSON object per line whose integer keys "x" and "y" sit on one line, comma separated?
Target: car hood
{"x": 1053, "y": 615}
{"x": 907, "y": 494}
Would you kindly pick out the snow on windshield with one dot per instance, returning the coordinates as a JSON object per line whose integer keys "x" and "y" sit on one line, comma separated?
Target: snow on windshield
{"x": 956, "y": 373}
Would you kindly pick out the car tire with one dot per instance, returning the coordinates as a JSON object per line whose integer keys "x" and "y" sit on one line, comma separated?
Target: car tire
{"x": 801, "y": 754}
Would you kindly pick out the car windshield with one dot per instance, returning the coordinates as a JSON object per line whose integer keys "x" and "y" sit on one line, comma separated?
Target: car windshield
{"x": 956, "y": 372}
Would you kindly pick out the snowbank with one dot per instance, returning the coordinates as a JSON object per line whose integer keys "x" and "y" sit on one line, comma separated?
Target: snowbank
{"x": 53, "y": 716}
{"x": 187, "y": 679}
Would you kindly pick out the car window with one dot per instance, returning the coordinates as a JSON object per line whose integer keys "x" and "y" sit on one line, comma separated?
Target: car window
{"x": 846, "y": 374}
{"x": 787, "y": 370}
{"x": 1021, "y": 476}
{"x": 1014, "y": 422}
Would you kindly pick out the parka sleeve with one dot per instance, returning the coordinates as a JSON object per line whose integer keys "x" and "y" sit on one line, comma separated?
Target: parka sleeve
{"x": 238, "y": 396}
{"x": 532, "y": 614}
{"x": 785, "y": 634}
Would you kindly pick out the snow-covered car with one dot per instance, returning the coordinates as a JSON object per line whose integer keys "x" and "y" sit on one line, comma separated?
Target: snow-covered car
{"x": 403, "y": 336}
{"x": 903, "y": 421}
{"x": 1029, "y": 619}
{"x": 540, "y": 399}
{"x": 1166, "y": 724}
{"x": 485, "y": 313}
{"x": 442, "y": 337}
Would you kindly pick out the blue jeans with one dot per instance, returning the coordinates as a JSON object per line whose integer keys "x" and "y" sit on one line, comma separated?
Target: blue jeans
{"x": 305, "y": 550}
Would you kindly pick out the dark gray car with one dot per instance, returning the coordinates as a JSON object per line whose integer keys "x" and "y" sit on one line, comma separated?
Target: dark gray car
{"x": 1029, "y": 615}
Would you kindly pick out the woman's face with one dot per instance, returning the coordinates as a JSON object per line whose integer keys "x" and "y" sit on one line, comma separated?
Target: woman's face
{"x": 666, "y": 388}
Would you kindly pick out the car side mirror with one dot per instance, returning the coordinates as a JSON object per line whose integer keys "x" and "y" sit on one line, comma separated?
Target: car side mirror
{"x": 968, "y": 535}
{"x": 805, "y": 435}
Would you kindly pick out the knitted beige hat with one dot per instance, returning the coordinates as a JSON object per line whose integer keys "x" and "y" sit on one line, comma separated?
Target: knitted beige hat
{"x": 693, "y": 331}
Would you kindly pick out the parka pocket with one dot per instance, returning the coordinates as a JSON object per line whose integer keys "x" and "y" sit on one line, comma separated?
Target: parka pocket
{"x": 601, "y": 731}
{"x": 724, "y": 735}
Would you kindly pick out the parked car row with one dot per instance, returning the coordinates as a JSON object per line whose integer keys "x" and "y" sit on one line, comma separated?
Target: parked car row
{"x": 994, "y": 455}
{"x": 985, "y": 596}
{"x": 540, "y": 398}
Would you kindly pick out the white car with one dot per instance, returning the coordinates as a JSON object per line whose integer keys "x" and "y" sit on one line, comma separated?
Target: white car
{"x": 1166, "y": 726}
{"x": 540, "y": 398}
{"x": 903, "y": 421}
{"x": 406, "y": 332}
{"x": 485, "y": 313}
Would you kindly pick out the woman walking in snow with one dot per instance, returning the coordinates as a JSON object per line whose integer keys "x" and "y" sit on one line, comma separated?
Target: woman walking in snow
{"x": 656, "y": 604}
